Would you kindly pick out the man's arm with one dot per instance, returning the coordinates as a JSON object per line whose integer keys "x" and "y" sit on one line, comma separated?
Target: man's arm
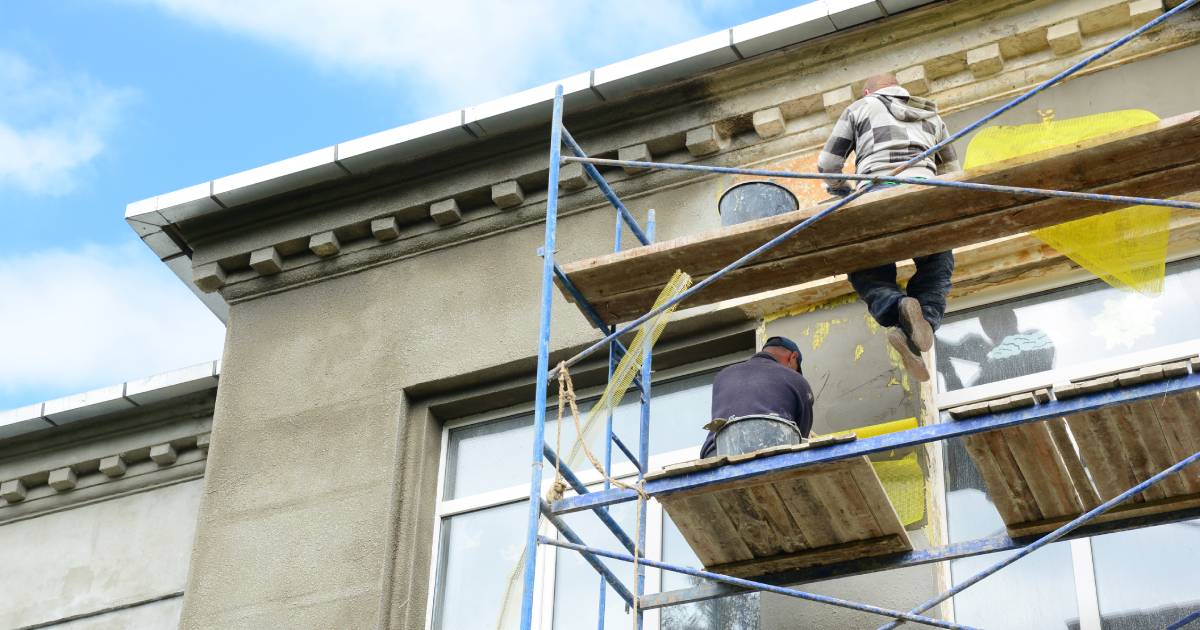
{"x": 947, "y": 157}
{"x": 837, "y": 149}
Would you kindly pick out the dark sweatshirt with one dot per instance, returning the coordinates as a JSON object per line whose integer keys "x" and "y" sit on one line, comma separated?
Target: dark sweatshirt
{"x": 760, "y": 385}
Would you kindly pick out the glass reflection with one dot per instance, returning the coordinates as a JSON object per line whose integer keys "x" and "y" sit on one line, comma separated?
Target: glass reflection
{"x": 1037, "y": 591}
{"x": 727, "y": 613}
{"x": 1146, "y": 578}
{"x": 1065, "y": 327}
{"x": 577, "y": 584}
{"x": 492, "y": 455}
{"x": 477, "y": 559}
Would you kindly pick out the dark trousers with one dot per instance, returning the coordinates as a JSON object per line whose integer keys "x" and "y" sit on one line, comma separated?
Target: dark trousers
{"x": 929, "y": 285}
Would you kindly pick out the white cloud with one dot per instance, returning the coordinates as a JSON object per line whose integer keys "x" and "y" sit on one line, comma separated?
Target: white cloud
{"x": 78, "y": 320}
{"x": 50, "y": 127}
{"x": 456, "y": 52}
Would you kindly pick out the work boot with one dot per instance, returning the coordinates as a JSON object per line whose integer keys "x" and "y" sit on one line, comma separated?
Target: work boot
{"x": 914, "y": 324}
{"x": 910, "y": 355}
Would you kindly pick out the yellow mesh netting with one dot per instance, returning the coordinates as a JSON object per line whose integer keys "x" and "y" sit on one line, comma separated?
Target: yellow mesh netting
{"x": 629, "y": 366}
{"x": 1126, "y": 248}
{"x": 902, "y": 477}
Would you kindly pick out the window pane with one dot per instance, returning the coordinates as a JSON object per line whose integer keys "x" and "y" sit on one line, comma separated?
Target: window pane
{"x": 492, "y": 455}
{"x": 1147, "y": 578}
{"x": 577, "y": 584}
{"x": 740, "y": 612}
{"x": 478, "y": 558}
{"x": 1066, "y": 327}
{"x": 1037, "y": 591}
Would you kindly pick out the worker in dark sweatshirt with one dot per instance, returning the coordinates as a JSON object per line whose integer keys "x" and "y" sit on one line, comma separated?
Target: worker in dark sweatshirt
{"x": 769, "y": 383}
{"x": 886, "y": 128}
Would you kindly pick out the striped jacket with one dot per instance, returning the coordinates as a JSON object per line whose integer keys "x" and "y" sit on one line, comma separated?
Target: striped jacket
{"x": 885, "y": 130}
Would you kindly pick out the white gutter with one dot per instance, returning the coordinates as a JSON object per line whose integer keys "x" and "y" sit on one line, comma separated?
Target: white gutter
{"x": 88, "y": 405}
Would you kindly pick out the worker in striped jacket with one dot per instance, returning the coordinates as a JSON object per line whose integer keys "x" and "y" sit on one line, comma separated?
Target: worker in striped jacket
{"x": 885, "y": 129}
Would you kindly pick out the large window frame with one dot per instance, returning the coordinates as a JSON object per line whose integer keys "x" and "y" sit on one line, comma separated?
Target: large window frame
{"x": 622, "y": 469}
{"x": 1082, "y": 555}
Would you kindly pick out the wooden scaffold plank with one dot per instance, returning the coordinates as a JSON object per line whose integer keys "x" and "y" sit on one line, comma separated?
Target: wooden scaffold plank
{"x": 1156, "y": 160}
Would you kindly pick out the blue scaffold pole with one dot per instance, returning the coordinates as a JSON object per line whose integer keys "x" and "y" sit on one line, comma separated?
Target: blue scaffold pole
{"x": 543, "y": 364}
{"x": 1051, "y": 537}
{"x": 643, "y": 459}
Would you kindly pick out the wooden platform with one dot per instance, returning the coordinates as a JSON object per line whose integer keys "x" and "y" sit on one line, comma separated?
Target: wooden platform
{"x": 1043, "y": 474}
{"x": 1156, "y": 160}
{"x": 788, "y": 520}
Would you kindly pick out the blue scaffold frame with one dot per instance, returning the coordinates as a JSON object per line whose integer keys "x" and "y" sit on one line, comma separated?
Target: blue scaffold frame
{"x": 719, "y": 585}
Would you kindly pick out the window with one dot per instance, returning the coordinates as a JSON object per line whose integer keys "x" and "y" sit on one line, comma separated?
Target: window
{"x": 482, "y": 512}
{"x": 1129, "y": 580}
{"x": 1053, "y": 336}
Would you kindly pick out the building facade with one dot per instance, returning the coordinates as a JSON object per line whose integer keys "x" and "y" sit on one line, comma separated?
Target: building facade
{"x": 370, "y": 436}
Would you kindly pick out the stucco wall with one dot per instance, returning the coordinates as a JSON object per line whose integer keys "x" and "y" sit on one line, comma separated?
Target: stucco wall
{"x": 114, "y": 553}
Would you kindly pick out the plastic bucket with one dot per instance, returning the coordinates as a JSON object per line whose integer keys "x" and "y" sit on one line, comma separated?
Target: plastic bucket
{"x": 755, "y": 200}
{"x": 752, "y": 433}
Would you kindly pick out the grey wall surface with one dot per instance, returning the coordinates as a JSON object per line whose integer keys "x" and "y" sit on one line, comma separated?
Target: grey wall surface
{"x": 113, "y": 553}
{"x": 1162, "y": 84}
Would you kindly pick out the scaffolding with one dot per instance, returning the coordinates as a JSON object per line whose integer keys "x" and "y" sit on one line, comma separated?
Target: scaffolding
{"x": 1185, "y": 382}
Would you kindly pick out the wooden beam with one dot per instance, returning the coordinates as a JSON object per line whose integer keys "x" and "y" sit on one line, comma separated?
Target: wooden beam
{"x": 1155, "y": 160}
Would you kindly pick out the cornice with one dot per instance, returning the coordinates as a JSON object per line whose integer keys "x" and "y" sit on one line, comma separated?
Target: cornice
{"x": 754, "y": 111}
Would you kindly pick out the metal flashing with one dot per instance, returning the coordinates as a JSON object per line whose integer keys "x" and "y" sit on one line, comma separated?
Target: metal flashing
{"x": 848, "y": 13}
{"x": 529, "y": 107}
{"x": 895, "y": 6}
{"x": 161, "y": 244}
{"x": 186, "y": 203}
{"x": 272, "y": 179}
{"x": 76, "y": 407}
{"x": 22, "y": 420}
{"x": 664, "y": 65}
{"x": 782, "y": 29}
{"x": 160, "y": 387}
{"x": 404, "y": 143}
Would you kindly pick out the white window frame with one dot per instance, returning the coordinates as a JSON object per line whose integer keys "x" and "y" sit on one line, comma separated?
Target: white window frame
{"x": 621, "y": 468}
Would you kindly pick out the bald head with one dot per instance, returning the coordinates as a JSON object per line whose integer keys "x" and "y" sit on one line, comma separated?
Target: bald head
{"x": 878, "y": 82}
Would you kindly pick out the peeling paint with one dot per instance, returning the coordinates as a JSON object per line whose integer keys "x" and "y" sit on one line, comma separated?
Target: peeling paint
{"x": 822, "y": 331}
{"x": 858, "y": 352}
{"x": 872, "y": 325}
{"x": 809, "y": 308}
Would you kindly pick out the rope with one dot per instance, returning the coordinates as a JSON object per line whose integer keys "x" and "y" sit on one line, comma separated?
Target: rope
{"x": 567, "y": 398}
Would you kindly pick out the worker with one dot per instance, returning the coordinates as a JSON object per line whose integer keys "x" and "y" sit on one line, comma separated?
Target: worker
{"x": 885, "y": 129}
{"x": 769, "y": 383}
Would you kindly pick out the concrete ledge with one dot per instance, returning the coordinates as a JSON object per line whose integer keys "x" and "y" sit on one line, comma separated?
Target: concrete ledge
{"x": 12, "y": 491}
{"x": 706, "y": 140}
{"x": 266, "y": 261}
{"x": 985, "y": 60}
{"x": 769, "y": 123}
{"x": 445, "y": 212}
{"x": 1065, "y": 37}
{"x": 209, "y": 277}
{"x": 789, "y": 27}
{"x": 161, "y": 387}
{"x": 279, "y": 177}
{"x": 836, "y": 101}
{"x": 113, "y": 466}
{"x": 62, "y": 479}
{"x": 163, "y": 454}
{"x": 914, "y": 80}
{"x": 325, "y": 244}
{"x": 23, "y": 420}
{"x": 1142, "y": 11}
{"x": 385, "y": 229}
{"x": 507, "y": 195}
{"x": 571, "y": 177}
{"x": 635, "y": 153}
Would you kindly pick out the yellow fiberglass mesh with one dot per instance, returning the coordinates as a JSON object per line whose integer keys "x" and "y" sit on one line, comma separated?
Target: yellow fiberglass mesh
{"x": 1127, "y": 248}
{"x": 629, "y": 366}
{"x": 904, "y": 484}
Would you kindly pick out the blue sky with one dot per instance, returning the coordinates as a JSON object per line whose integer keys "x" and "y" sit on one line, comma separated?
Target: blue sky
{"x": 110, "y": 101}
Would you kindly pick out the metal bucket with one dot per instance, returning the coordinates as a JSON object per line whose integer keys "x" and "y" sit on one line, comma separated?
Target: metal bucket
{"x": 752, "y": 433}
{"x": 755, "y": 200}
